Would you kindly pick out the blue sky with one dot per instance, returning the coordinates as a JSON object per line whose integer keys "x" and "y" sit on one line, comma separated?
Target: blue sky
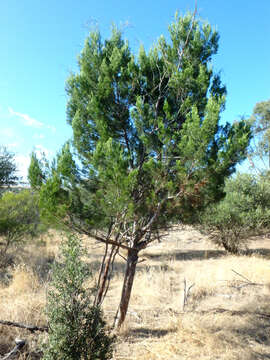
{"x": 40, "y": 41}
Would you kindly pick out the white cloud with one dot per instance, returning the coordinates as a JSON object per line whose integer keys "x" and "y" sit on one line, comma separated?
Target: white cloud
{"x": 22, "y": 162}
{"x": 41, "y": 151}
{"x": 26, "y": 119}
{"x": 29, "y": 121}
{"x": 38, "y": 136}
{"x": 13, "y": 145}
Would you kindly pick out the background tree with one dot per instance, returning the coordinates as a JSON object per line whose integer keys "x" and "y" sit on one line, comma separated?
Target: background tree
{"x": 260, "y": 149}
{"x": 147, "y": 135}
{"x": 8, "y": 169}
{"x": 244, "y": 211}
{"x": 35, "y": 174}
{"x": 19, "y": 221}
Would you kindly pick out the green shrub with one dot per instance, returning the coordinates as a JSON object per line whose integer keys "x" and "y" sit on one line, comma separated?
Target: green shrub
{"x": 19, "y": 221}
{"x": 76, "y": 328}
{"x": 244, "y": 211}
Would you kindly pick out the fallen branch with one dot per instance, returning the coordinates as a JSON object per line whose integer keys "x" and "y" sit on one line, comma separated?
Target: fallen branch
{"x": 31, "y": 328}
{"x": 246, "y": 282}
{"x": 19, "y": 345}
{"x": 242, "y": 276}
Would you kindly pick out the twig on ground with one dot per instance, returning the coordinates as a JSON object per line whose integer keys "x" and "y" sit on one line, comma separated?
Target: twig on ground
{"x": 242, "y": 276}
{"x": 246, "y": 282}
{"x": 31, "y": 328}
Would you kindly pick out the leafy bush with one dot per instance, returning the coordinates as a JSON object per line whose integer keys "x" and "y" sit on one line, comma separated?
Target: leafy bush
{"x": 19, "y": 220}
{"x": 244, "y": 211}
{"x": 76, "y": 328}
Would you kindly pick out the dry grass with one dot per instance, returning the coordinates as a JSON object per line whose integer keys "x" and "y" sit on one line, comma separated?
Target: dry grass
{"x": 226, "y": 316}
{"x": 22, "y": 301}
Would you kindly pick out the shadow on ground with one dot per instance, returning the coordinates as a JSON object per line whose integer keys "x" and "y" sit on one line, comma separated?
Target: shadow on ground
{"x": 144, "y": 333}
{"x": 259, "y": 252}
{"x": 186, "y": 255}
{"x": 247, "y": 328}
{"x": 120, "y": 267}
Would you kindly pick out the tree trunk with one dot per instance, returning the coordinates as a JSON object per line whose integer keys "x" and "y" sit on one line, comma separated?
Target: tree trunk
{"x": 232, "y": 249}
{"x": 104, "y": 278}
{"x": 132, "y": 260}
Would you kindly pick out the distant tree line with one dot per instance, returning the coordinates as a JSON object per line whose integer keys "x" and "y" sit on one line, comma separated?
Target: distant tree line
{"x": 19, "y": 210}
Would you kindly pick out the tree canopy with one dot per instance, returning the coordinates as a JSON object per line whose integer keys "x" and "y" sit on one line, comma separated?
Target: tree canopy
{"x": 8, "y": 168}
{"x": 242, "y": 213}
{"x": 35, "y": 174}
{"x": 260, "y": 121}
{"x": 19, "y": 221}
{"x": 147, "y": 135}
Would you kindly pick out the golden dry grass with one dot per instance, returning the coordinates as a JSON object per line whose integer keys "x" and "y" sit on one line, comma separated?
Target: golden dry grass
{"x": 226, "y": 316}
{"x": 22, "y": 301}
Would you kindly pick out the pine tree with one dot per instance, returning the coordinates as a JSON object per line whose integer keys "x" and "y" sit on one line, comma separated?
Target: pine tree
{"x": 35, "y": 175}
{"x": 146, "y": 130}
{"x": 260, "y": 121}
{"x": 8, "y": 168}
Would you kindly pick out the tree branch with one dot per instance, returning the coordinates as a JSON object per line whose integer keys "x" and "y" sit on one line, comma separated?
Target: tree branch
{"x": 104, "y": 240}
{"x": 109, "y": 241}
{"x": 31, "y": 328}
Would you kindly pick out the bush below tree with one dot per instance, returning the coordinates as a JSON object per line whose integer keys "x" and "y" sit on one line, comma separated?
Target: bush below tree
{"x": 19, "y": 222}
{"x": 76, "y": 328}
{"x": 244, "y": 211}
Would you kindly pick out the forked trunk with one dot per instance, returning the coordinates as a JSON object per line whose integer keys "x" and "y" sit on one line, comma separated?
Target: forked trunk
{"x": 132, "y": 260}
{"x": 104, "y": 276}
{"x": 104, "y": 279}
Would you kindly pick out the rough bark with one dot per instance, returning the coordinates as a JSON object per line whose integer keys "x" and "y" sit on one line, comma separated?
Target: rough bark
{"x": 105, "y": 278}
{"x": 132, "y": 260}
{"x": 232, "y": 249}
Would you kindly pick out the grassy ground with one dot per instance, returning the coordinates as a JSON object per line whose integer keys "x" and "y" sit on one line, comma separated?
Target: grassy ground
{"x": 226, "y": 315}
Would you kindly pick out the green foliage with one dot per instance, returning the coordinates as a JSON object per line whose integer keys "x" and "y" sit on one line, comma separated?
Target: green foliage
{"x": 147, "y": 139}
{"x": 53, "y": 183}
{"x": 76, "y": 328}
{"x": 35, "y": 174}
{"x": 7, "y": 169}
{"x": 146, "y": 129}
{"x": 244, "y": 211}
{"x": 19, "y": 220}
{"x": 260, "y": 121}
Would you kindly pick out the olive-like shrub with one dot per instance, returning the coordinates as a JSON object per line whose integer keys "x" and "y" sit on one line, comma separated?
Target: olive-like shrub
{"x": 244, "y": 211}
